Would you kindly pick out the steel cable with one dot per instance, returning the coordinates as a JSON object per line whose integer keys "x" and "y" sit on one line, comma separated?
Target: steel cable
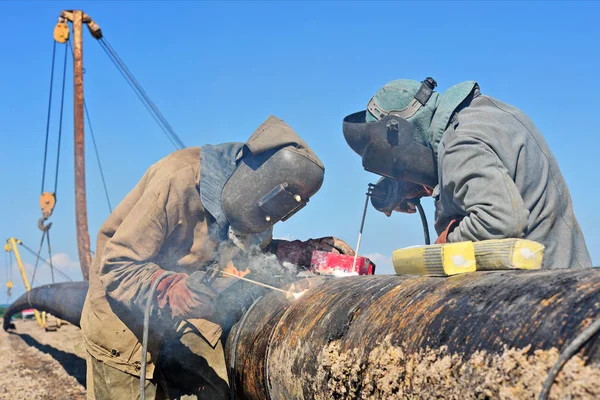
{"x": 48, "y": 116}
{"x": 87, "y": 114}
{"x": 139, "y": 95}
{"x": 60, "y": 123}
{"x": 8, "y": 266}
{"x": 10, "y": 258}
{"x": 135, "y": 82}
{"x": 142, "y": 95}
{"x": 50, "y": 257}
{"x": 39, "y": 258}
{"x": 166, "y": 123}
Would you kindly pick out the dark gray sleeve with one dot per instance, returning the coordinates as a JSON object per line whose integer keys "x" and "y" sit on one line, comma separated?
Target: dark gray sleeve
{"x": 474, "y": 179}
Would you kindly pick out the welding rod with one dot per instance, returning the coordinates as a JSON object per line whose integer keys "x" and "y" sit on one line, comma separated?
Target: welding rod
{"x": 249, "y": 280}
{"x": 362, "y": 225}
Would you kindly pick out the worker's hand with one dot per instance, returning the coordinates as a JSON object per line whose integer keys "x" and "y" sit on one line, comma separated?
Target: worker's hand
{"x": 411, "y": 191}
{"x": 187, "y": 296}
{"x": 300, "y": 253}
{"x": 395, "y": 195}
{"x": 331, "y": 244}
{"x": 175, "y": 296}
{"x": 443, "y": 238}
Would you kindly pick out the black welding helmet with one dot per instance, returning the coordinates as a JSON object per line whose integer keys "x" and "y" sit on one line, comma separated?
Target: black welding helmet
{"x": 276, "y": 175}
{"x": 392, "y": 141}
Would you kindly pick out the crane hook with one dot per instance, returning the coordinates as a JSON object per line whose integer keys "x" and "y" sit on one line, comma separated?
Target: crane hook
{"x": 41, "y": 225}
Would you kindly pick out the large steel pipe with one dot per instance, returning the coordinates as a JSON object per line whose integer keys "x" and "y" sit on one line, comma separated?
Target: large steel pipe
{"x": 63, "y": 300}
{"x": 479, "y": 335}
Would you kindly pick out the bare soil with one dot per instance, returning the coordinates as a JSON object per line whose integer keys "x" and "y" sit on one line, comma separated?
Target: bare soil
{"x": 35, "y": 364}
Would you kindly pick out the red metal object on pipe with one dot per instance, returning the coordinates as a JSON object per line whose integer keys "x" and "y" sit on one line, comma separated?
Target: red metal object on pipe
{"x": 327, "y": 263}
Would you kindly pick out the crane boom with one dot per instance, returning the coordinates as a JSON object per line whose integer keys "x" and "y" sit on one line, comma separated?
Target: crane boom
{"x": 11, "y": 245}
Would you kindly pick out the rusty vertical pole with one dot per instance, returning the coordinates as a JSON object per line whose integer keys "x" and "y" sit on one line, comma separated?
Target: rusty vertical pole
{"x": 83, "y": 237}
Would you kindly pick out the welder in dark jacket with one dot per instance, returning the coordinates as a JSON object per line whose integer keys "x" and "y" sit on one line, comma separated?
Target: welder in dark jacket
{"x": 489, "y": 169}
{"x": 194, "y": 207}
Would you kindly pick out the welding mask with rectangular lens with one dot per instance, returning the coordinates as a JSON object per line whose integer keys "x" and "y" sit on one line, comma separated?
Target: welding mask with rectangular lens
{"x": 269, "y": 187}
{"x": 387, "y": 148}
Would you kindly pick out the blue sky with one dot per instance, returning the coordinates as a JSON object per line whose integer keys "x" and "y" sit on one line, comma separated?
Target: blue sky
{"x": 217, "y": 70}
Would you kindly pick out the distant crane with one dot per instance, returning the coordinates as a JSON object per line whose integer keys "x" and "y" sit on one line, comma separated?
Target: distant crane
{"x": 62, "y": 34}
{"x": 11, "y": 245}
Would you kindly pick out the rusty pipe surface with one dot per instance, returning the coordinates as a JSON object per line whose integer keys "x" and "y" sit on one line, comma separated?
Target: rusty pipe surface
{"x": 83, "y": 236}
{"x": 478, "y": 335}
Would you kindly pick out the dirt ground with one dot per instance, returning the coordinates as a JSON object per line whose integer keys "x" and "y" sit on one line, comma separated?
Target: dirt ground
{"x": 35, "y": 364}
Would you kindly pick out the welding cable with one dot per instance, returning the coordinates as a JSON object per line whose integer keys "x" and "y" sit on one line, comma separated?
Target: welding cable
{"x": 417, "y": 204}
{"x": 145, "y": 333}
{"x": 566, "y": 355}
{"x": 234, "y": 348}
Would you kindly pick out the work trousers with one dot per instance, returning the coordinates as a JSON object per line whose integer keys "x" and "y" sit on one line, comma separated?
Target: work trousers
{"x": 188, "y": 367}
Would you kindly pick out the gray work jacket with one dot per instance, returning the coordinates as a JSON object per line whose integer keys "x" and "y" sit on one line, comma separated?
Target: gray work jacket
{"x": 497, "y": 173}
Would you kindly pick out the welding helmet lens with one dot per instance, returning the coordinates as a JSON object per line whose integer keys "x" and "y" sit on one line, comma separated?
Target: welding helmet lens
{"x": 280, "y": 203}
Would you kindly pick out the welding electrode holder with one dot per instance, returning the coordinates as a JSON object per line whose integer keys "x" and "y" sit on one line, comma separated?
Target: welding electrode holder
{"x": 386, "y": 196}
{"x": 213, "y": 271}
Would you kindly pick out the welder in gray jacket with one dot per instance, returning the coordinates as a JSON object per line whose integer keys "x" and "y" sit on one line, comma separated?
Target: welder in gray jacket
{"x": 489, "y": 169}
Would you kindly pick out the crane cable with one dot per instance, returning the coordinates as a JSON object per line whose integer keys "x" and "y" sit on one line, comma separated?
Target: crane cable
{"x": 8, "y": 263}
{"x": 10, "y": 258}
{"x": 48, "y": 116}
{"x": 142, "y": 94}
{"x": 50, "y": 257}
{"x": 46, "y": 228}
{"x": 87, "y": 115}
{"x": 60, "y": 124}
{"x": 97, "y": 153}
{"x": 38, "y": 258}
{"x": 64, "y": 275}
{"x": 62, "y": 101}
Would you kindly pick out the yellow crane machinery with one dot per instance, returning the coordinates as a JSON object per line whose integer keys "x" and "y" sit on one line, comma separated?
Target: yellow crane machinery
{"x": 11, "y": 245}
